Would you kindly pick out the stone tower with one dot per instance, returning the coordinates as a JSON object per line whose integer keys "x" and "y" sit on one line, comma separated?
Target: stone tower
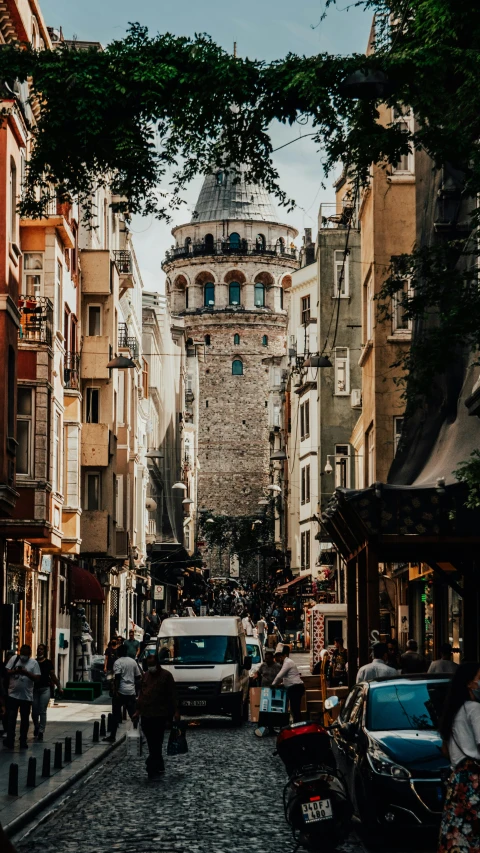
{"x": 227, "y": 275}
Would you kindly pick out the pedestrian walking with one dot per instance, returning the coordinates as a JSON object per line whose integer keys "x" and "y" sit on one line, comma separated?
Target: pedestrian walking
{"x": 261, "y": 629}
{"x": 337, "y": 674}
{"x": 22, "y": 672}
{"x": 411, "y": 660}
{"x": 292, "y": 681}
{"x": 444, "y": 665}
{"x": 42, "y": 691}
{"x": 132, "y": 645}
{"x": 268, "y": 670}
{"x": 248, "y": 625}
{"x": 394, "y": 659}
{"x": 127, "y": 675}
{"x": 460, "y": 730}
{"x": 156, "y": 705}
{"x": 379, "y": 667}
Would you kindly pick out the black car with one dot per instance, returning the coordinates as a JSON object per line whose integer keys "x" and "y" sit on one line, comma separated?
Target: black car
{"x": 387, "y": 745}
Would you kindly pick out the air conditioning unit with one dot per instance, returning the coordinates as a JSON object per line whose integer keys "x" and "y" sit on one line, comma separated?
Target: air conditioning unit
{"x": 356, "y": 398}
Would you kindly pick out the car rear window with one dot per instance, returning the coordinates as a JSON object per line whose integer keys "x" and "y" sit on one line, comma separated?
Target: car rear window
{"x": 408, "y": 705}
{"x": 254, "y": 652}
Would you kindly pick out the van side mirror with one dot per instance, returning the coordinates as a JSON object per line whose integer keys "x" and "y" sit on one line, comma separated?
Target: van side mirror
{"x": 247, "y": 662}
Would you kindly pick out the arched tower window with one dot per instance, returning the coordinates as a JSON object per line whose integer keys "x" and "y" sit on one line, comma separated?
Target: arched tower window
{"x": 234, "y": 240}
{"x": 219, "y": 178}
{"x": 234, "y": 293}
{"x": 260, "y": 243}
{"x": 265, "y": 341}
{"x": 209, "y": 242}
{"x": 207, "y": 340}
{"x": 209, "y": 294}
{"x": 237, "y": 367}
{"x": 188, "y": 244}
{"x": 280, "y": 245}
{"x": 259, "y": 295}
{"x": 236, "y": 340}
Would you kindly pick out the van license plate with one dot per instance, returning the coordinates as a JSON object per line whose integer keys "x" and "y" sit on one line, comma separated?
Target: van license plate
{"x": 318, "y": 810}
{"x": 196, "y": 702}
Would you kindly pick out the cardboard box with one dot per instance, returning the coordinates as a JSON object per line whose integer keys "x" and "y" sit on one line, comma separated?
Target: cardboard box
{"x": 255, "y": 693}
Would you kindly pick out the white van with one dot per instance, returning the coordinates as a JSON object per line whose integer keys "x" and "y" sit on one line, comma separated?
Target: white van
{"x": 208, "y": 659}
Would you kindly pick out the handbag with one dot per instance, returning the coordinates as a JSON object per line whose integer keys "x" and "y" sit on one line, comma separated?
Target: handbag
{"x": 177, "y": 742}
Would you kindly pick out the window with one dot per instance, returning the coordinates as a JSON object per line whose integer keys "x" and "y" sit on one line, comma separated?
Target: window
{"x": 265, "y": 341}
{"x": 397, "y": 432}
{"x": 92, "y": 490}
{"x": 58, "y": 295}
{"x": 305, "y": 313}
{"x": 186, "y": 297}
{"x": 71, "y": 465}
{"x": 236, "y": 340}
{"x": 341, "y": 273}
{"x": 400, "y": 321}
{"x": 369, "y": 308}
{"x": 237, "y": 367}
{"x": 342, "y": 371}
{"x": 403, "y": 119}
{"x": 25, "y": 431}
{"x": 342, "y": 466}
{"x": 219, "y": 179}
{"x": 305, "y": 420}
{"x": 209, "y": 294}
{"x": 32, "y": 273}
{"x": 188, "y": 244}
{"x": 145, "y": 380}
{"x": 119, "y": 501}
{"x": 94, "y": 320}
{"x": 281, "y": 298}
{"x": 11, "y": 393}
{"x": 276, "y": 415}
{"x": 259, "y": 295}
{"x": 209, "y": 242}
{"x": 370, "y": 452}
{"x": 305, "y": 550}
{"x": 305, "y": 484}
{"x": 234, "y": 240}
{"x": 260, "y": 243}
{"x": 280, "y": 245}
{"x": 57, "y": 451}
{"x": 234, "y": 293}
{"x": 92, "y": 406}
{"x": 12, "y": 219}
{"x": 121, "y": 397}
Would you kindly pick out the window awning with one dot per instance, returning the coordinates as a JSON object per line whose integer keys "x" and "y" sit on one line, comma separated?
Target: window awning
{"x": 285, "y": 587}
{"x": 84, "y": 586}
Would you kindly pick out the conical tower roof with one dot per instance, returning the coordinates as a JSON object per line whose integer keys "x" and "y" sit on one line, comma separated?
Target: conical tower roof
{"x": 222, "y": 198}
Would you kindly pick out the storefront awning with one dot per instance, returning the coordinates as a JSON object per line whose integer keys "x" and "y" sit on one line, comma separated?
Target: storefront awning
{"x": 84, "y": 586}
{"x": 285, "y": 588}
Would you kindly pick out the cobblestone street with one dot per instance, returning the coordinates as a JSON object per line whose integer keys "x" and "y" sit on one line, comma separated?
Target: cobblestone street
{"x": 225, "y": 796}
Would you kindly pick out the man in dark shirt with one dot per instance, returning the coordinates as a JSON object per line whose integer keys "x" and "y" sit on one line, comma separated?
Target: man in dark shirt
{"x": 156, "y": 705}
{"x": 412, "y": 661}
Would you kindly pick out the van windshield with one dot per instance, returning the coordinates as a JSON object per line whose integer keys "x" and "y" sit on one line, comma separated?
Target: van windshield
{"x": 197, "y": 650}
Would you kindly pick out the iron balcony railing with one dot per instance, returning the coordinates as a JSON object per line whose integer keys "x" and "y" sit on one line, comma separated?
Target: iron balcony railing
{"x": 126, "y": 341}
{"x": 71, "y": 370}
{"x": 36, "y": 319}
{"x": 224, "y": 247}
{"x": 331, "y": 217}
{"x": 123, "y": 261}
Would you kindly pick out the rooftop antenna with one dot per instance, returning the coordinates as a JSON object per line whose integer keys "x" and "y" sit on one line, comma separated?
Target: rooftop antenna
{"x": 234, "y": 49}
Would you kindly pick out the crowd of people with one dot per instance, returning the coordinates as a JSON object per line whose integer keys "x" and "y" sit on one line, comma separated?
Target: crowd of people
{"x": 26, "y": 686}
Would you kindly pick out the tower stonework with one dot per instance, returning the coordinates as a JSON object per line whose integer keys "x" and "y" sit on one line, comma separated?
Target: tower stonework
{"x": 228, "y": 275}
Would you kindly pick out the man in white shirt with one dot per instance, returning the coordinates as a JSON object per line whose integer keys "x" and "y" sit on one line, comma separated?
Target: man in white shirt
{"x": 22, "y": 671}
{"x": 127, "y": 674}
{"x": 261, "y": 629}
{"x": 248, "y": 625}
{"x": 379, "y": 667}
{"x": 445, "y": 665}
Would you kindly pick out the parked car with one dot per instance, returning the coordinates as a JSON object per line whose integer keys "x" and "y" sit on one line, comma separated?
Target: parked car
{"x": 255, "y": 651}
{"x": 387, "y": 744}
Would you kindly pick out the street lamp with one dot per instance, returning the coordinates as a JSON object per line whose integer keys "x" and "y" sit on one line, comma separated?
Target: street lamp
{"x": 278, "y": 456}
{"x": 317, "y": 361}
{"x": 153, "y": 454}
{"x": 179, "y": 486}
{"x": 187, "y": 501}
{"x": 274, "y": 488}
{"x": 121, "y": 362}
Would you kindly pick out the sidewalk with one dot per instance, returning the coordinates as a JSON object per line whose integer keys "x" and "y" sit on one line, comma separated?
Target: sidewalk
{"x": 63, "y": 720}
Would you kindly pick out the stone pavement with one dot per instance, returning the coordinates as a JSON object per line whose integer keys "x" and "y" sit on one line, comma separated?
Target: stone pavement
{"x": 63, "y": 720}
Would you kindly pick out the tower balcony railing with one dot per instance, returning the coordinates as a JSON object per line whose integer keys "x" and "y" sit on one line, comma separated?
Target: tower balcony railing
{"x": 36, "y": 319}
{"x": 225, "y": 247}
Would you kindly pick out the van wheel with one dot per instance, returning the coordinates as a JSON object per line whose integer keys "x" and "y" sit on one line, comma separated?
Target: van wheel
{"x": 238, "y": 714}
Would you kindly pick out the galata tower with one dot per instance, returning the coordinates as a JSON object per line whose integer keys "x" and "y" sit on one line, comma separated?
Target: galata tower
{"x": 228, "y": 275}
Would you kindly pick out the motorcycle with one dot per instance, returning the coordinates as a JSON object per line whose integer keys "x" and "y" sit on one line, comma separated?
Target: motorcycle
{"x": 315, "y": 798}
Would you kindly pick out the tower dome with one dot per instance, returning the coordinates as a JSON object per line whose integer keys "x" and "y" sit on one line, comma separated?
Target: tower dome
{"x": 228, "y": 195}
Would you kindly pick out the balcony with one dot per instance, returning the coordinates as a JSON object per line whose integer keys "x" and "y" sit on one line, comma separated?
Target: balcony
{"x": 96, "y": 353}
{"x": 223, "y": 247}
{"x": 71, "y": 371}
{"x": 96, "y": 271}
{"x": 126, "y": 341}
{"x": 332, "y": 217}
{"x": 36, "y": 320}
{"x": 124, "y": 264}
{"x": 95, "y": 445}
{"x": 95, "y": 531}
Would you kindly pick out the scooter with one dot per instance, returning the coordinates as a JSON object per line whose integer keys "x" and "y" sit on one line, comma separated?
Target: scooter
{"x": 315, "y": 798}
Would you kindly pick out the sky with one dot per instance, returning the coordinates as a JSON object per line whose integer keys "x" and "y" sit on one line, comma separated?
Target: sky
{"x": 262, "y": 29}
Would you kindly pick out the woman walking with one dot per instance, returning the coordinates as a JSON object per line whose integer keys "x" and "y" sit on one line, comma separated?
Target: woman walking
{"x": 42, "y": 691}
{"x": 460, "y": 730}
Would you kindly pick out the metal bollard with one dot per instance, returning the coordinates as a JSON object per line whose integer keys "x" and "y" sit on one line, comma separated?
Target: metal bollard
{"x": 96, "y": 731}
{"x": 68, "y": 749}
{"x": 109, "y": 722}
{"x": 57, "y": 761}
{"x": 13, "y": 780}
{"x": 103, "y": 727}
{"x": 46, "y": 763}
{"x": 78, "y": 743}
{"x": 32, "y": 773}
